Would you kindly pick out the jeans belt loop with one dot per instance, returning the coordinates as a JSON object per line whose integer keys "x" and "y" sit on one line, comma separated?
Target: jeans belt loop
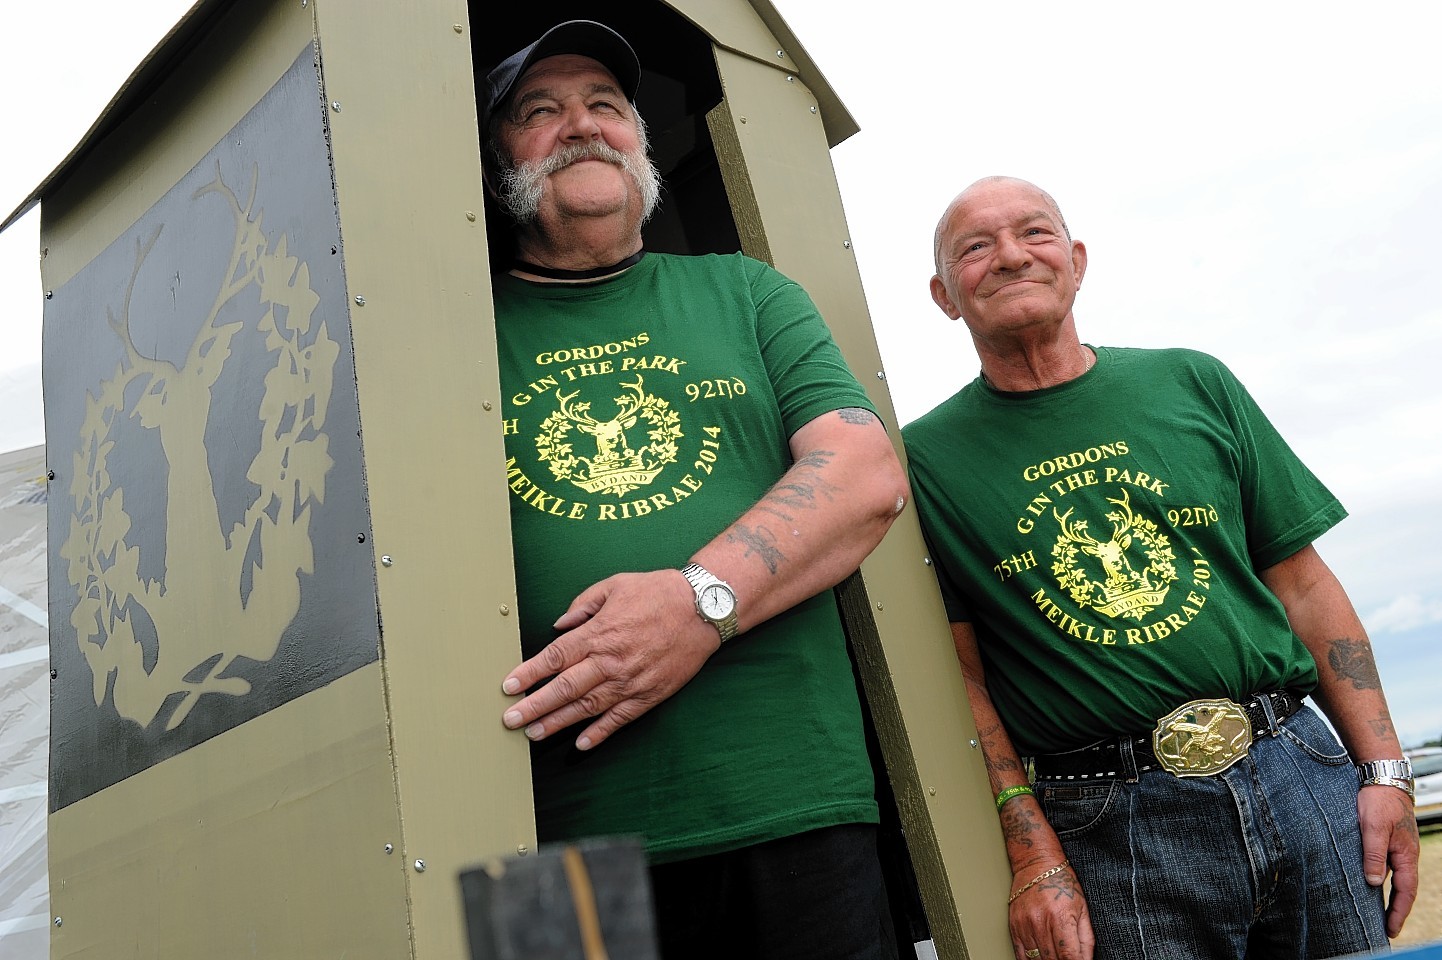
{"x": 1265, "y": 701}
{"x": 1127, "y": 750}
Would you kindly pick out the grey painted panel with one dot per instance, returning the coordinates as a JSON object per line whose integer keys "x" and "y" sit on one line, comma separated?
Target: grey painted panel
{"x": 208, "y": 524}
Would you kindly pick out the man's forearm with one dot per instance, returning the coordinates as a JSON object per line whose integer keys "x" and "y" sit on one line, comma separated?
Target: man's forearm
{"x": 817, "y": 523}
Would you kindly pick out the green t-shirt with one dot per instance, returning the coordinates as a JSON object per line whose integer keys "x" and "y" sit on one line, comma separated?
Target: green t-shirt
{"x": 644, "y": 414}
{"x": 1104, "y": 538}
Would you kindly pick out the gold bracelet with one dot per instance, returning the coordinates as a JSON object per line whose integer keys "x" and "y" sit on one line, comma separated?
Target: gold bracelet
{"x": 1035, "y": 880}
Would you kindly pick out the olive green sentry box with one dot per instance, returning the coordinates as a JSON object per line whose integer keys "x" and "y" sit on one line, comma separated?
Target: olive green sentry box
{"x": 281, "y": 583}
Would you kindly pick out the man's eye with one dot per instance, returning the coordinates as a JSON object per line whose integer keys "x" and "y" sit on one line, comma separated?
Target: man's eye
{"x": 975, "y": 247}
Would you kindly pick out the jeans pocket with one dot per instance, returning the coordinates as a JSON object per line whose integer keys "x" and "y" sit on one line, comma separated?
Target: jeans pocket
{"x": 1314, "y": 738}
{"x": 1074, "y": 810}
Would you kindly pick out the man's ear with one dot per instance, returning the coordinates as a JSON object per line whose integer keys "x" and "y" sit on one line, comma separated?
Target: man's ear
{"x": 1079, "y": 260}
{"x": 943, "y": 299}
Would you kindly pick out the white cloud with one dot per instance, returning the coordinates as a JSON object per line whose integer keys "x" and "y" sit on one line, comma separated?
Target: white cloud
{"x": 1407, "y": 612}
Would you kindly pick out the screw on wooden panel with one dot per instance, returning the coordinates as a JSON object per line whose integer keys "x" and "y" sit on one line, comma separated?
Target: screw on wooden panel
{"x": 390, "y": 848}
{"x": 457, "y": 27}
{"x": 846, "y": 244}
{"x": 522, "y": 849}
{"x": 420, "y": 866}
{"x": 781, "y": 54}
{"x": 813, "y": 109}
{"x": 49, "y": 294}
{"x": 485, "y": 404}
{"x": 926, "y": 560}
{"x": 881, "y": 374}
{"x": 360, "y": 301}
{"x": 49, "y": 474}
{"x": 335, "y": 105}
{"x": 360, "y": 538}
{"x": 505, "y": 609}
{"x": 386, "y": 560}
{"x": 974, "y": 744}
{"x": 790, "y": 79}
{"x": 58, "y": 921}
{"x": 471, "y": 215}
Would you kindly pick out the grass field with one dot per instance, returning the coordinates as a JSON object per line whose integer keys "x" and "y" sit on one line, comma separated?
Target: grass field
{"x": 1425, "y": 923}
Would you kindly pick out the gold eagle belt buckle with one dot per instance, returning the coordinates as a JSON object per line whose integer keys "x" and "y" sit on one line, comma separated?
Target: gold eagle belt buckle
{"x": 1202, "y": 737}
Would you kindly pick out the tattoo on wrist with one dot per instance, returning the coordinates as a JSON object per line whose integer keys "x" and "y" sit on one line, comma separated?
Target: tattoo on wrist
{"x": 1352, "y": 660}
{"x": 761, "y": 543}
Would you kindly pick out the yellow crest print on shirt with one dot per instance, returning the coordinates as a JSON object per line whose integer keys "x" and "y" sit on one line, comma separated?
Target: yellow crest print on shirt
{"x": 1135, "y": 562}
{"x": 607, "y": 456}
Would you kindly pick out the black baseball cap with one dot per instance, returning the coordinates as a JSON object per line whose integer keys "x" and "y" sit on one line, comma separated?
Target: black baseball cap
{"x": 585, "y": 37}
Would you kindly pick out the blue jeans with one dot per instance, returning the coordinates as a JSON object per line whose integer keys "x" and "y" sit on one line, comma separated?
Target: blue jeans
{"x": 1261, "y": 860}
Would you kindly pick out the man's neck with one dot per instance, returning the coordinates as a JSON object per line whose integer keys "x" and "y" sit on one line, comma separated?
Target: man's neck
{"x": 1027, "y": 365}
{"x": 582, "y": 244}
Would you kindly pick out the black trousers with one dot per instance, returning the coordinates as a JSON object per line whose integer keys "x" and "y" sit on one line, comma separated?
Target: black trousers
{"x": 814, "y": 896}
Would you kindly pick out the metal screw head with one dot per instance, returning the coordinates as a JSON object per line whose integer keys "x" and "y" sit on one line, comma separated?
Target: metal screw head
{"x": 974, "y": 744}
{"x": 390, "y": 848}
{"x": 505, "y": 609}
{"x": 881, "y": 374}
{"x": 522, "y": 849}
{"x": 360, "y": 538}
{"x": 49, "y": 294}
{"x": 457, "y": 27}
{"x": 58, "y": 921}
{"x": 49, "y": 474}
{"x": 485, "y": 404}
{"x": 781, "y": 54}
{"x": 813, "y": 109}
{"x": 360, "y": 301}
{"x": 926, "y": 560}
{"x": 790, "y": 79}
{"x": 335, "y": 105}
{"x": 420, "y": 866}
{"x": 846, "y": 244}
{"x": 386, "y": 560}
{"x": 471, "y": 215}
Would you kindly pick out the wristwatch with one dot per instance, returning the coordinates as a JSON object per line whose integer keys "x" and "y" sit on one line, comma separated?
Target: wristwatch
{"x": 715, "y": 600}
{"x": 1389, "y": 773}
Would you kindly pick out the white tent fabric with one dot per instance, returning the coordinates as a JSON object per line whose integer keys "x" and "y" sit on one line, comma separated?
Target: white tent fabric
{"x": 24, "y": 706}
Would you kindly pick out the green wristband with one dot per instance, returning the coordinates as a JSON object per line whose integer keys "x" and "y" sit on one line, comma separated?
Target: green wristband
{"x": 1009, "y": 792}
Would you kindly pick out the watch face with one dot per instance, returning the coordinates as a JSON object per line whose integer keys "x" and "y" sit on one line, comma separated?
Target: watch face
{"x": 716, "y": 601}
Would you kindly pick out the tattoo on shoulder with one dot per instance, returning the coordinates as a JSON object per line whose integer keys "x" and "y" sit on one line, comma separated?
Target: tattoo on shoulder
{"x": 856, "y": 415}
{"x": 1352, "y": 660}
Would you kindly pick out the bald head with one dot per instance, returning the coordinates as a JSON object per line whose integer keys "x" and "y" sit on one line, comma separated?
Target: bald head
{"x": 984, "y": 185}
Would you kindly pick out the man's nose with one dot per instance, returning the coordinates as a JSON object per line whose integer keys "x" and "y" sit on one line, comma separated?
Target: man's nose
{"x": 579, "y": 124}
{"x": 1011, "y": 254}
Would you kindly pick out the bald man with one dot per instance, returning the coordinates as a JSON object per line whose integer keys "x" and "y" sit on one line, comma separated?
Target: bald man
{"x": 1124, "y": 545}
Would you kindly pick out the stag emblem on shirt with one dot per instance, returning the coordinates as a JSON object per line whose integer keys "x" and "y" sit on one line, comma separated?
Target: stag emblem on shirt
{"x": 1135, "y": 562}
{"x": 621, "y": 461}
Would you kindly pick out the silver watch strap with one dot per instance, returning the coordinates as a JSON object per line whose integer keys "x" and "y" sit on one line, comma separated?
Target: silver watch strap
{"x": 699, "y": 577}
{"x": 1387, "y": 773}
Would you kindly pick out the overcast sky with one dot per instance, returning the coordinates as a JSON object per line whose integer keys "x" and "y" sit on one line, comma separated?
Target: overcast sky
{"x": 1262, "y": 181}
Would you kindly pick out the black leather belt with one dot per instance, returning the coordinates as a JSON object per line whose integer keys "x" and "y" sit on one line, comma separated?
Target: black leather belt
{"x": 1103, "y": 761}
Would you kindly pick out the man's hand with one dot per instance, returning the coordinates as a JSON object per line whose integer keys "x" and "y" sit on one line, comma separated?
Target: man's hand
{"x": 1389, "y": 839}
{"x": 1051, "y": 918}
{"x": 628, "y": 643}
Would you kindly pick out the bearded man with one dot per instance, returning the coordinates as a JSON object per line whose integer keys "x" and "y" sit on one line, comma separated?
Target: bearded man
{"x": 692, "y": 468}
